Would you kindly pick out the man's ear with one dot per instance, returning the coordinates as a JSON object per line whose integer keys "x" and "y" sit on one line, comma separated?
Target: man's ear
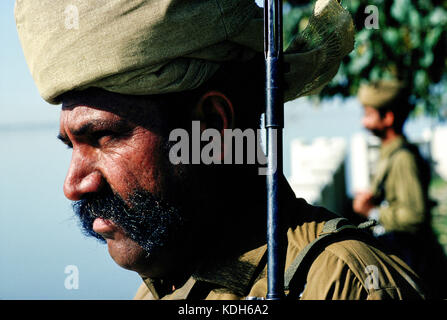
{"x": 388, "y": 119}
{"x": 215, "y": 110}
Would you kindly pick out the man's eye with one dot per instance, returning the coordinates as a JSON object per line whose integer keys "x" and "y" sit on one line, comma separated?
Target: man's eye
{"x": 101, "y": 135}
{"x": 104, "y": 136}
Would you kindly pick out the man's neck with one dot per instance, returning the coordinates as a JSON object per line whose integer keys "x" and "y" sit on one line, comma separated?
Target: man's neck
{"x": 390, "y": 136}
{"x": 235, "y": 209}
{"x": 240, "y": 206}
{"x": 232, "y": 218}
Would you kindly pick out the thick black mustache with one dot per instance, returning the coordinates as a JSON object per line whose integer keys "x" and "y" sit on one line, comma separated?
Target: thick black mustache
{"x": 82, "y": 209}
{"x": 147, "y": 220}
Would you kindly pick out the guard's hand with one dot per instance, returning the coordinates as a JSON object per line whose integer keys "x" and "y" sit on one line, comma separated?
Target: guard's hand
{"x": 363, "y": 203}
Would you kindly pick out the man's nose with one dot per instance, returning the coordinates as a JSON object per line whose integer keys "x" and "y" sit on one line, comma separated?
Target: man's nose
{"x": 82, "y": 178}
{"x": 365, "y": 122}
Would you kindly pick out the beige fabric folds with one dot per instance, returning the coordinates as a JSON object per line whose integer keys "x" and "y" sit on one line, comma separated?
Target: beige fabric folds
{"x": 158, "y": 46}
{"x": 379, "y": 94}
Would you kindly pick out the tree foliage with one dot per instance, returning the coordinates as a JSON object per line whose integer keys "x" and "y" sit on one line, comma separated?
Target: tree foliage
{"x": 408, "y": 40}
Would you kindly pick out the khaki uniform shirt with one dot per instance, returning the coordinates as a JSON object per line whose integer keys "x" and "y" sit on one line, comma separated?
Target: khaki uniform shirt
{"x": 403, "y": 178}
{"x": 348, "y": 269}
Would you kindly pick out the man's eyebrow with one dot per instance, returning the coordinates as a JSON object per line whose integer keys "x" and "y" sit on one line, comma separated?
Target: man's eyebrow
{"x": 92, "y": 126}
{"x": 99, "y": 124}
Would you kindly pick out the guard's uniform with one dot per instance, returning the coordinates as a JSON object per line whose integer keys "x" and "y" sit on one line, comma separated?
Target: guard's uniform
{"x": 400, "y": 186}
{"x": 346, "y": 269}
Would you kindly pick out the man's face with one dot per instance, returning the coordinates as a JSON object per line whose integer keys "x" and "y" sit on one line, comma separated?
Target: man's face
{"x": 373, "y": 121}
{"x": 122, "y": 181}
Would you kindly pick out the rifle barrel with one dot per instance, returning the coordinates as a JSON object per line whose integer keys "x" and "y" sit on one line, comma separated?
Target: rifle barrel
{"x": 274, "y": 123}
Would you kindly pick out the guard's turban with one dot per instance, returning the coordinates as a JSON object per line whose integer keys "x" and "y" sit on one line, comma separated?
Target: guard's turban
{"x": 383, "y": 94}
{"x": 143, "y": 47}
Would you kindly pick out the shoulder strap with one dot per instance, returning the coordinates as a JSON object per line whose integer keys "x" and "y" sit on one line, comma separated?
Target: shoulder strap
{"x": 334, "y": 230}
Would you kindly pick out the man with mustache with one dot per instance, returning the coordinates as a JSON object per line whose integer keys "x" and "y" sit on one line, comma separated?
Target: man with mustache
{"x": 128, "y": 73}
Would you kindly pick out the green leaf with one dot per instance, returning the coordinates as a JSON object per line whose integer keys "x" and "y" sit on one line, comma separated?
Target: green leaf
{"x": 360, "y": 62}
{"x": 391, "y": 36}
{"x": 399, "y": 9}
{"x": 415, "y": 39}
{"x": 363, "y": 35}
{"x": 427, "y": 59}
{"x": 438, "y": 17}
{"x": 414, "y": 19}
{"x": 432, "y": 38}
{"x": 420, "y": 81}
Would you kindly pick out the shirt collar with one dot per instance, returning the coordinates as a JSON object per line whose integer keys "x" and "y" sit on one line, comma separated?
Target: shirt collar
{"x": 230, "y": 275}
{"x": 390, "y": 147}
{"x": 235, "y": 275}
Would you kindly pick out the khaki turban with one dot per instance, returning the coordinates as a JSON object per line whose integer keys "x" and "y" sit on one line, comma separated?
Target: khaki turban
{"x": 380, "y": 94}
{"x": 143, "y": 47}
